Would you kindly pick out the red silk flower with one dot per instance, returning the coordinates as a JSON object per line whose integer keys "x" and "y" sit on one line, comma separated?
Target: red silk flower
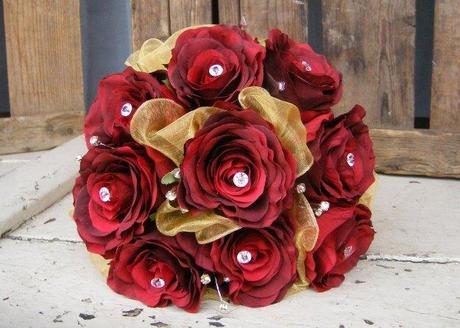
{"x": 295, "y": 73}
{"x": 114, "y": 195}
{"x": 117, "y": 99}
{"x": 214, "y": 63}
{"x": 345, "y": 234}
{"x": 236, "y": 165}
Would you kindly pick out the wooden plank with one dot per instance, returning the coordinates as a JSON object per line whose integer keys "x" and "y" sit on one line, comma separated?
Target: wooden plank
{"x": 264, "y": 15}
{"x": 229, "y": 12}
{"x": 44, "y": 56}
{"x": 417, "y": 152}
{"x": 185, "y": 13}
{"x": 445, "y": 99}
{"x": 372, "y": 43}
{"x": 44, "y": 131}
{"x": 149, "y": 20}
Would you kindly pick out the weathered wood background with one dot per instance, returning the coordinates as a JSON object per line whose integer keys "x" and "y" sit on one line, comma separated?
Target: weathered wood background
{"x": 372, "y": 42}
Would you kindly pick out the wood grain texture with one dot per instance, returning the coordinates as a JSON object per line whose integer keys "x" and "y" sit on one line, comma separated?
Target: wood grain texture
{"x": 264, "y": 15}
{"x": 44, "y": 131}
{"x": 445, "y": 98}
{"x": 372, "y": 43}
{"x": 149, "y": 19}
{"x": 185, "y": 13}
{"x": 44, "y": 56}
{"x": 417, "y": 152}
{"x": 229, "y": 12}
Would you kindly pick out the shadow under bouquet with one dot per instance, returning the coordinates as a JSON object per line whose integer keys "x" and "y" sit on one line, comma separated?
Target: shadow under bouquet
{"x": 215, "y": 166}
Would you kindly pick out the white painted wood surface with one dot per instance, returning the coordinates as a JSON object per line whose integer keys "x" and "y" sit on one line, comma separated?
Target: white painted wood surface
{"x": 48, "y": 280}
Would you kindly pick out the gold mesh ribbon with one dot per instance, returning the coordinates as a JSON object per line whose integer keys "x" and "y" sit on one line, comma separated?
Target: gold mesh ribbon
{"x": 207, "y": 226}
{"x": 155, "y": 54}
{"x": 368, "y": 197}
{"x": 285, "y": 118}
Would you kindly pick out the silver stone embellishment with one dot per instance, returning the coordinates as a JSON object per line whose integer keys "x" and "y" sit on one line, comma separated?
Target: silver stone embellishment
{"x": 226, "y": 279}
{"x": 350, "y": 159}
{"x": 216, "y": 70}
{"x": 300, "y": 188}
{"x": 104, "y": 194}
{"x": 94, "y": 141}
{"x": 126, "y": 109}
{"x": 306, "y": 66}
{"x": 170, "y": 195}
{"x": 281, "y": 85}
{"x": 240, "y": 179}
{"x": 324, "y": 206}
{"x": 348, "y": 251}
{"x": 176, "y": 173}
{"x": 205, "y": 279}
{"x": 157, "y": 283}
{"x": 244, "y": 257}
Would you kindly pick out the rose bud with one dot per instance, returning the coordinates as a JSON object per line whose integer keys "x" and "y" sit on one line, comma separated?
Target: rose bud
{"x": 295, "y": 73}
{"x": 114, "y": 195}
{"x": 155, "y": 270}
{"x": 237, "y": 166}
{"x": 345, "y": 234}
{"x": 117, "y": 99}
{"x": 214, "y": 63}
{"x": 344, "y": 161}
{"x": 260, "y": 263}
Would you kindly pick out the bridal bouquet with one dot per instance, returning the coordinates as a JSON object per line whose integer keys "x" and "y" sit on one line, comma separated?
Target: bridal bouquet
{"x": 215, "y": 166}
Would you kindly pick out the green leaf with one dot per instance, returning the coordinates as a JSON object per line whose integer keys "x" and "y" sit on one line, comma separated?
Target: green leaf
{"x": 168, "y": 178}
{"x": 153, "y": 216}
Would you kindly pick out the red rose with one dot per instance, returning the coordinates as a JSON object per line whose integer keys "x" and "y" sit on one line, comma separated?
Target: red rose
{"x": 295, "y": 73}
{"x": 345, "y": 234}
{"x": 214, "y": 63}
{"x": 313, "y": 121}
{"x": 118, "y": 97}
{"x": 236, "y": 165}
{"x": 260, "y": 263}
{"x": 344, "y": 160}
{"x": 116, "y": 192}
{"x": 156, "y": 271}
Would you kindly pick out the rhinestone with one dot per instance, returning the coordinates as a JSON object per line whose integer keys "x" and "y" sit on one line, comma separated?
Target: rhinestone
{"x": 318, "y": 212}
{"x": 79, "y": 158}
{"x": 94, "y": 140}
{"x": 223, "y": 307}
{"x": 348, "y": 251}
{"x": 306, "y": 66}
{"x": 240, "y": 179}
{"x": 226, "y": 279}
{"x": 126, "y": 109}
{"x": 281, "y": 85}
{"x": 157, "y": 283}
{"x": 216, "y": 70}
{"x": 244, "y": 257}
{"x": 350, "y": 159}
{"x": 104, "y": 194}
{"x": 324, "y": 206}
{"x": 176, "y": 173}
{"x": 205, "y": 279}
{"x": 171, "y": 195}
{"x": 183, "y": 210}
{"x": 300, "y": 188}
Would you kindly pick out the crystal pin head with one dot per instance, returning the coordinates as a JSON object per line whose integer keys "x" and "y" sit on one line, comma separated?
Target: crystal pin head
{"x": 306, "y": 66}
{"x": 216, "y": 70}
{"x": 324, "y": 206}
{"x": 104, "y": 194}
{"x": 244, "y": 257}
{"x": 176, "y": 173}
{"x": 240, "y": 179}
{"x": 350, "y": 159}
{"x": 126, "y": 109}
{"x": 205, "y": 279}
{"x": 281, "y": 85}
{"x": 157, "y": 283}
{"x": 226, "y": 279}
{"x": 94, "y": 140}
{"x": 170, "y": 195}
{"x": 300, "y": 188}
{"x": 348, "y": 251}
